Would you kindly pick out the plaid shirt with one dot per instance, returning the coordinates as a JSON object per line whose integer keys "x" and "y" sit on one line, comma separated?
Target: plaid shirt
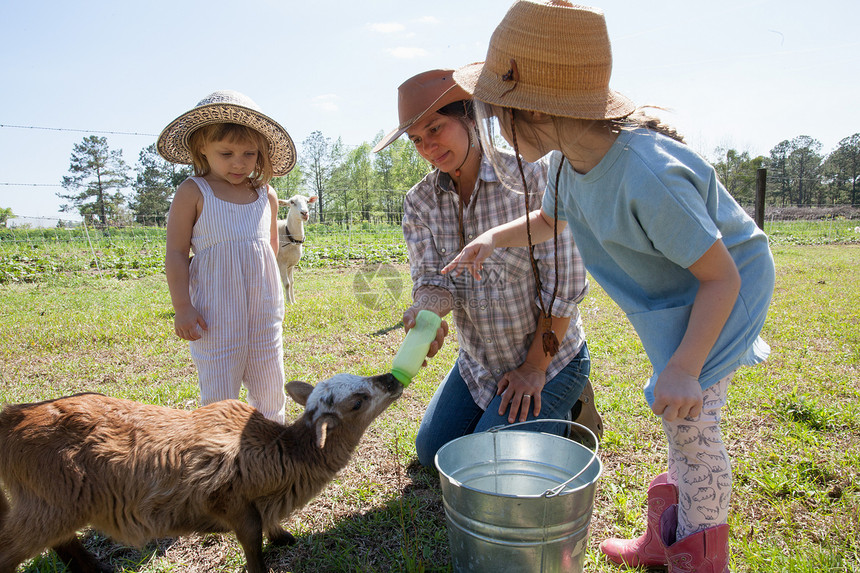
{"x": 496, "y": 318}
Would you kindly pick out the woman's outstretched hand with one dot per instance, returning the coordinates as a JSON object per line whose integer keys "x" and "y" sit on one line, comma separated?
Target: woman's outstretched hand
{"x": 472, "y": 257}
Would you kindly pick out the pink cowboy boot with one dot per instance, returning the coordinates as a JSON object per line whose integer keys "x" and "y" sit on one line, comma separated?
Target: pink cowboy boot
{"x": 646, "y": 550}
{"x": 706, "y": 551}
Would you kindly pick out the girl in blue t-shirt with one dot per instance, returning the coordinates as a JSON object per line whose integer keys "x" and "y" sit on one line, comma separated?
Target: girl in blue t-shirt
{"x": 657, "y": 230}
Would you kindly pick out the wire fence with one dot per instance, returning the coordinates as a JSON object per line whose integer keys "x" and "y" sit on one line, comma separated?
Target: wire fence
{"x": 40, "y": 253}
{"x": 832, "y": 224}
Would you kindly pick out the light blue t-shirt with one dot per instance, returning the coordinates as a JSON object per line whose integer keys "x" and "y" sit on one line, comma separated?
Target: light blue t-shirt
{"x": 640, "y": 218}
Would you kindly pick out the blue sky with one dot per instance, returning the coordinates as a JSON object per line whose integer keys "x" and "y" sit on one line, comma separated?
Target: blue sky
{"x": 742, "y": 74}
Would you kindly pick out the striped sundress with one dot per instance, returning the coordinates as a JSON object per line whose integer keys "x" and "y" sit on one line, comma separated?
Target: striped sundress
{"x": 234, "y": 283}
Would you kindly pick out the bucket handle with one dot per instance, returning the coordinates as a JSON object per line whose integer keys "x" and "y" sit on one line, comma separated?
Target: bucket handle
{"x": 559, "y": 488}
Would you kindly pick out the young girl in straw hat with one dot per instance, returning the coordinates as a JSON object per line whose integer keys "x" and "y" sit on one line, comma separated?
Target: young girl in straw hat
{"x": 662, "y": 236}
{"x": 502, "y": 373}
{"x": 228, "y": 298}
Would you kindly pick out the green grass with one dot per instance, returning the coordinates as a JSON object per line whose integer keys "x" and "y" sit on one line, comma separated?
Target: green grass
{"x": 792, "y": 425}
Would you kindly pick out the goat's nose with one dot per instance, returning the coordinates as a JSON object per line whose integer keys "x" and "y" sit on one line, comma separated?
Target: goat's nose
{"x": 388, "y": 382}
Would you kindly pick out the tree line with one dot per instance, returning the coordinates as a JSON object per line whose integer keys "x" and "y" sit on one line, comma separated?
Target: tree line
{"x": 798, "y": 174}
{"x": 354, "y": 184}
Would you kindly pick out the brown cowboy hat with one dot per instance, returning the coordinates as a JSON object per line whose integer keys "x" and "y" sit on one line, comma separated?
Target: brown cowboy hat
{"x": 422, "y": 94}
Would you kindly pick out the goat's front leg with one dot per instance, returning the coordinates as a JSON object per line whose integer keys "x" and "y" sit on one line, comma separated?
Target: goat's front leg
{"x": 248, "y": 526}
{"x": 78, "y": 559}
{"x": 280, "y": 537}
{"x": 291, "y": 286}
{"x": 31, "y": 525}
{"x": 284, "y": 280}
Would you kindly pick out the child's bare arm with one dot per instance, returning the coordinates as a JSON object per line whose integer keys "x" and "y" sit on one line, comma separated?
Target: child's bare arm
{"x": 510, "y": 234}
{"x": 273, "y": 207}
{"x": 183, "y": 213}
{"x": 678, "y": 393}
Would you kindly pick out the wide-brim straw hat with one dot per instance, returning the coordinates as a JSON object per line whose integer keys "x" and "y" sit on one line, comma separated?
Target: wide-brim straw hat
{"x": 227, "y": 106}
{"x": 421, "y": 94}
{"x": 553, "y": 57}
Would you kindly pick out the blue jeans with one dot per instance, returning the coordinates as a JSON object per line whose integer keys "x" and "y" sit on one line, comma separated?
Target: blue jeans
{"x": 453, "y": 413}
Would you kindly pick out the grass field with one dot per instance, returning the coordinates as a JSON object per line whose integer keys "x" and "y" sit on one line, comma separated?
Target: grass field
{"x": 792, "y": 425}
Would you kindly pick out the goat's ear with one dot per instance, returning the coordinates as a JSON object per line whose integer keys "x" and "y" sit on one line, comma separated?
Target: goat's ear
{"x": 312, "y": 199}
{"x": 299, "y": 391}
{"x": 283, "y": 202}
{"x": 324, "y": 424}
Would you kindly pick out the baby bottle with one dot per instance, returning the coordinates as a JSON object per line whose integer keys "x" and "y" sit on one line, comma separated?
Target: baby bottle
{"x": 414, "y": 348}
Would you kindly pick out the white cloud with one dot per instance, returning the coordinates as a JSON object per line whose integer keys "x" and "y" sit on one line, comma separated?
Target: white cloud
{"x": 326, "y": 102}
{"x": 404, "y": 53}
{"x": 386, "y": 27}
{"x": 428, "y": 20}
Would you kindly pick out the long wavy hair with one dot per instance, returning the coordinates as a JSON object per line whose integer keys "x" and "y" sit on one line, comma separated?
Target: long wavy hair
{"x": 641, "y": 119}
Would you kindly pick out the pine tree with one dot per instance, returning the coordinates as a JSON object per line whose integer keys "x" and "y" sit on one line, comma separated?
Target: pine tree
{"x": 156, "y": 182}
{"x": 843, "y": 167}
{"x": 96, "y": 171}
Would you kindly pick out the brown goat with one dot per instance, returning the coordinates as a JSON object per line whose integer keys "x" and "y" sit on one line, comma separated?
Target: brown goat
{"x": 138, "y": 472}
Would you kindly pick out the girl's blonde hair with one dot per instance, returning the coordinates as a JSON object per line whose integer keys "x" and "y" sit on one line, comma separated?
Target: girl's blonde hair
{"x": 641, "y": 119}
{"x": 233, "y": 133}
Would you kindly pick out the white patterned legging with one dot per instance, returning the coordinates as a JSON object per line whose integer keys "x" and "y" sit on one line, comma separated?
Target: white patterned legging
{"x": 699, "y": 464}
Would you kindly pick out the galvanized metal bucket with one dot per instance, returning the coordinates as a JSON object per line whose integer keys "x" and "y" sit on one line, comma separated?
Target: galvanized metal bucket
{"x": 518, "y": 500}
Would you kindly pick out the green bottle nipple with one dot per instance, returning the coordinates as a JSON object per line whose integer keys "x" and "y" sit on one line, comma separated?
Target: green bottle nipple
{"x": 414, "y": 348}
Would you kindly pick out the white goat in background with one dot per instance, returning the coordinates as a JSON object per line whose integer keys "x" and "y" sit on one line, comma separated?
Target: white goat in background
{"x": 291, "y": 237}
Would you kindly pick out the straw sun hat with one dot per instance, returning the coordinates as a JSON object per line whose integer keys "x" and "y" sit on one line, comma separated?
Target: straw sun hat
{"x": 424, "y": 93}
{"x": 227, "y": 106}
{"x": 553, "y": 57}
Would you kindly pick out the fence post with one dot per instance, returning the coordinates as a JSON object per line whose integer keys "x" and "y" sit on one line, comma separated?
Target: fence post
{"x": 760, "y": 188}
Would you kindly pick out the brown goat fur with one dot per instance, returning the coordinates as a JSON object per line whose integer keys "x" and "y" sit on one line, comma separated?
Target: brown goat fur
{"x": 138, "y": 472}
